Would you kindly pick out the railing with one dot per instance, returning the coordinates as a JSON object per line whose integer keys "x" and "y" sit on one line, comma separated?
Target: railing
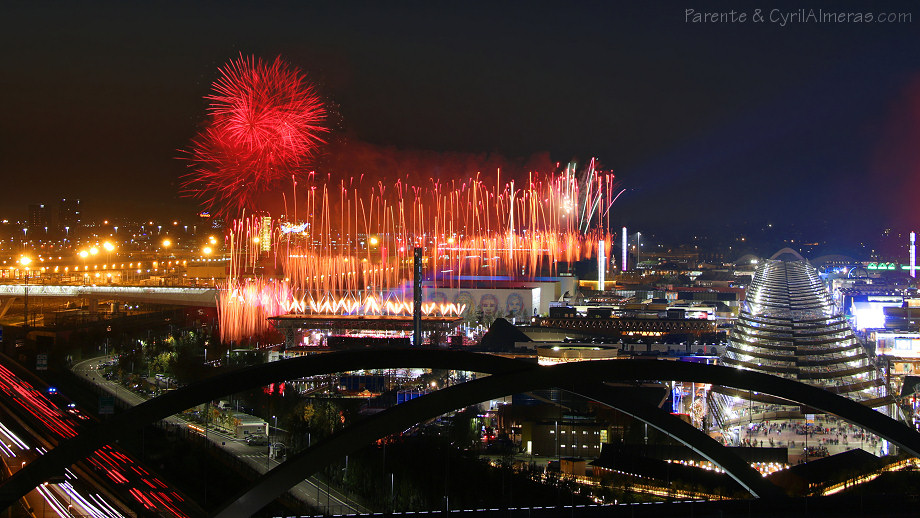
{"x": 78, "y": 291}
{"x": 176, "y": 295}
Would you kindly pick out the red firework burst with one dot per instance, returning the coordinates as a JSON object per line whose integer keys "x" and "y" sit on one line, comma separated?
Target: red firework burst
{"x": 265, "y": 124}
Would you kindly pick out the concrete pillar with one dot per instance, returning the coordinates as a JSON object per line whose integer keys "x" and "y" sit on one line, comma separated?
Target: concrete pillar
{"x": 7, "y": 304}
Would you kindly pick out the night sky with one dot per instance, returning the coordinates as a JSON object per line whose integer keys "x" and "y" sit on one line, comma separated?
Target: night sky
{"x": 706, "y": 124}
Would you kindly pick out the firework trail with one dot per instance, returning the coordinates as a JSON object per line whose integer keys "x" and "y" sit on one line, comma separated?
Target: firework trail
{"x": 351, "y": 253}
{"x": 265, "y": 123}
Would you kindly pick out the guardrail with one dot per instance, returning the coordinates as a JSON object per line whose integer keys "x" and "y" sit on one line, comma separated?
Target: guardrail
{"x": 170, "y": 294}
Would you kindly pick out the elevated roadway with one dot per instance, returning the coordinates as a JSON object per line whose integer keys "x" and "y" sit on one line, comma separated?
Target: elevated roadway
{"x": 171, "y": 295}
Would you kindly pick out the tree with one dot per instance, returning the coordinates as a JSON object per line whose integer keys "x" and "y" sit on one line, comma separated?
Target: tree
{"x": 322, "y": 418}
{"x": 163, "y": 362}
{"x": 437, "y": 338}
{"x": 461, "y": 429}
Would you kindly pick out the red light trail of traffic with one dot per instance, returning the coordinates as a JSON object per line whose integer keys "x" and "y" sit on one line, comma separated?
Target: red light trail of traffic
{"x": 145, "y": 488}
{"x": 35, "y": 403}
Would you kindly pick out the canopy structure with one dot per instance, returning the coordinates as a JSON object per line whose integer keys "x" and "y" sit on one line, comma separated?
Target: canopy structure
{"x": 789, "y": 327}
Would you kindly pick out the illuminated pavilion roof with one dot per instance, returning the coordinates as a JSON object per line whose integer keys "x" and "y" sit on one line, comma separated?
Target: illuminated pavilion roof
{"x": 294, "y": 325}
{"x": 363, "y": 322}
{"x": 789, "y": 327}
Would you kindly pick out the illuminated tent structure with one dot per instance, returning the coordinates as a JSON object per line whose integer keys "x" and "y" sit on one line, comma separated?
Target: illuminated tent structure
{"x": 789, "y": 327}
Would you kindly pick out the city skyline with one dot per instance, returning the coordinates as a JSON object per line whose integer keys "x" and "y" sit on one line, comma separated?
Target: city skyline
{"x": 702, "y": 123}
{"x": 495, "y": 258}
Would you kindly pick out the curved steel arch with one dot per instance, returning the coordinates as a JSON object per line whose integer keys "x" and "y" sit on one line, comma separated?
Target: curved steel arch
{"x": 400, "y": 417}
{"x": 263, "y": 374}
{"x": 72, "y": 450}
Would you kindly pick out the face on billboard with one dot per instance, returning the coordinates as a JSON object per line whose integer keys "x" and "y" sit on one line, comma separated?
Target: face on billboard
{"x": 489, "y": 304}
{"x": 515, "y": 304}
{"x": 464, "y": 298}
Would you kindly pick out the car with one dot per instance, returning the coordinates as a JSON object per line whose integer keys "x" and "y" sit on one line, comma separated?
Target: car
{"x": 257, "y": 440}
{"x": 77, "y": 413}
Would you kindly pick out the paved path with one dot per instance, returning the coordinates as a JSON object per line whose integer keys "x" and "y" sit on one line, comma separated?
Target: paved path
{"x": 311, "y": 491}
{"x": 781, "y": 433}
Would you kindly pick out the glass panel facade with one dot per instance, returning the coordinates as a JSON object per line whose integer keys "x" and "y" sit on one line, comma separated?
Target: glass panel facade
{"x": 789, "y": 327}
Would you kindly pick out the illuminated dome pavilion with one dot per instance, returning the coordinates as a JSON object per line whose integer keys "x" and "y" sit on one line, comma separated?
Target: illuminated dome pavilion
{"x": 789, "y": 327}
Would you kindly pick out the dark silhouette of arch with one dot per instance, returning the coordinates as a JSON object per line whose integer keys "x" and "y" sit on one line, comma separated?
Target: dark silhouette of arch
{"x": 787, "y": 252}
{"x": 396, "y": 419}
{"x": 73, "y": 450}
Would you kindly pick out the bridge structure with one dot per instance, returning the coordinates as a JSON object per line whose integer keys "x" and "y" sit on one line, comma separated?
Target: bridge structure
{"x": 169, "y": 295}
{"x": 508, "y": 376}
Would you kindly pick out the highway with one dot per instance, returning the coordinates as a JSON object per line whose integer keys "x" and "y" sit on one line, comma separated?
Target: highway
{"x": 47, "y": 422}
{"x": 50, "y": 421}
{"x": 66, "y": 498}
{"x": 174, "y": 295}
{"x": 311, "y": 491}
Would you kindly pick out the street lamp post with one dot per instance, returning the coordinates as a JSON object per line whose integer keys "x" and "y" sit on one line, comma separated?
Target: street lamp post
{"x": 83, "y": 255}
{"x": 109, "y": 249}
{"x": 166, "y": 244}
{"x": 24, "y": 261}
{"x": 271, "y": 446}
{"x": 638, "y": 247}
{"x": 93, "y": 251}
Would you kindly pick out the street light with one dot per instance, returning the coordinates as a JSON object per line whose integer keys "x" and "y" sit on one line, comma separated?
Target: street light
{"x": 25, "y": 261}
{"x": 638, "y": 247}
{"x": 83, "y": 255}
{"x": 275, "y": 435}
{"x": 108, "y": 247}
{"x": 166, "y": 243}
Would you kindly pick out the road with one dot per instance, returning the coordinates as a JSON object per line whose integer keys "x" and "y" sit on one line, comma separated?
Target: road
{"x": 311, "y": 491}
{"x": 79, "y": 492}
{"x": 65, "y": 499}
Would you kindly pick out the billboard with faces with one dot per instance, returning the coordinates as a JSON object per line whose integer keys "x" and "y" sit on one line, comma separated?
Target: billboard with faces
{"x": 492, "y": 303}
